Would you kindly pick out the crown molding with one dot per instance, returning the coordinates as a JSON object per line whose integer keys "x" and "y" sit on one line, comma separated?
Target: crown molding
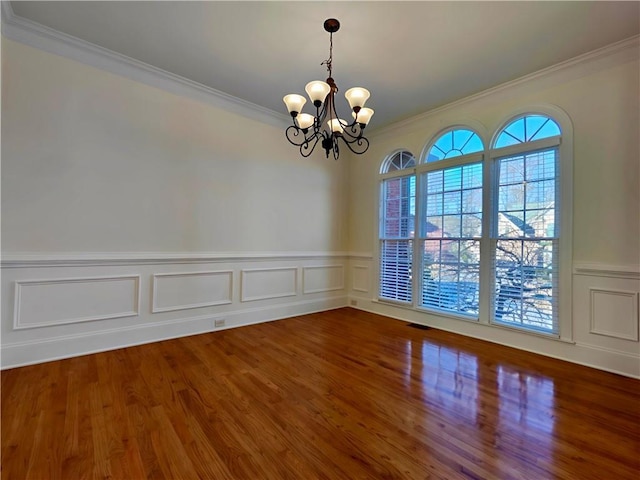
{"x": 52, "y": 41}
{"x": 628, "y": 44}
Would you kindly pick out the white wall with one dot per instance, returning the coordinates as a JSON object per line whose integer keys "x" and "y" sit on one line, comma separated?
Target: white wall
{"x": 599, "y": 92}
{"x": 94, "y": 162}
{"x": 105, "y": 176}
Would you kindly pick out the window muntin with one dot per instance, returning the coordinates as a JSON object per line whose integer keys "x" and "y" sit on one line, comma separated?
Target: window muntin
{"x": 397, "y": 228}
{"x": 454, "y": 143}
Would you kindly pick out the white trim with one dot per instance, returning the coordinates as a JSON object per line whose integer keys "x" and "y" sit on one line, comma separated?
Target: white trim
{"x": 631, "y": 272}
{"x": 361, "y": 255}
{"x": 50, "y": 40}
{"x": 17, "y": 302}
{"x": 446, "y": 163}
{"x": 319, "y": 290}
{"x": 29, "y": 260}
{"x": 525, "y": 147}
{"x": 156, "y": 309}
{"x": 243, "y": 276}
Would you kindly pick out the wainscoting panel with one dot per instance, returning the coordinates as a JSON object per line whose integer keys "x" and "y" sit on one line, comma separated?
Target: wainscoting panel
{"x": 614, "y": 313}
{"x": 360, "y": 278}
{"x": 60, "y": 306}
{"x": 266, "y": 283}
{"x": 605, "y": 306}
{"x": 322, "y": 278}
{"x": 181, "y": 291}
{"x": 58, "y": 301}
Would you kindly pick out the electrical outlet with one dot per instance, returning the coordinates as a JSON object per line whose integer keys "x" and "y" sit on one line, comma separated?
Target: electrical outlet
{"x": 218, "y": 322}
{"x": 354, "y": 303}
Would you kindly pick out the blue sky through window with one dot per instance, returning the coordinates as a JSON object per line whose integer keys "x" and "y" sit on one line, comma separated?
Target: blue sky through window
{"x": 527, "y": 129}
{"x": 455, "y": 143}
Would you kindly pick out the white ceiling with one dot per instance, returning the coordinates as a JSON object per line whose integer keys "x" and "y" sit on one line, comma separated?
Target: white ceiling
{"x": 412, "y": 56}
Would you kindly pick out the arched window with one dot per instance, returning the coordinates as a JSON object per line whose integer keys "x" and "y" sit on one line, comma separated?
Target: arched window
{"x": 527, "y": 129}
{"x": 525, "y": 237}
{"x": 398, "y": 161}
{"x": 454, "y": 143}
{"x": 483, "y": 232}
{"x": 397, "y": 226}
{"x": 451, "y": 224}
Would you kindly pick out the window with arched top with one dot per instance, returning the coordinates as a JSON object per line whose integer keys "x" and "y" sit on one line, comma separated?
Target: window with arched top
{"x": 476, "y": 231}
{"x": 454, "y": 143}
{"x": 398, "y": 161}
{"x": 527, "y": 128}
{"x": 526, "y": 217}
{"x": 451, "y": 197}
{"x": 397, "y": 226}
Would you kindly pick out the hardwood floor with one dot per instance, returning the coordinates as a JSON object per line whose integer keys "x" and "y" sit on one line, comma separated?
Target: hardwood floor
{"x": 334, "y": 395}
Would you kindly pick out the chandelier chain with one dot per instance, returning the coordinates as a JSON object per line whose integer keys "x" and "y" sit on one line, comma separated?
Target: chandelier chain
{"x": 329, "y": 61}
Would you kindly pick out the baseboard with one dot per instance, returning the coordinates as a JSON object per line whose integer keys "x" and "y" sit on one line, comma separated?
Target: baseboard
{"x": 39, "y": 351}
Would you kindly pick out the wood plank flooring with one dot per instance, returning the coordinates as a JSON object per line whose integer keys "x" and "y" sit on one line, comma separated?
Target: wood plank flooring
{"x": 335, "y": 395}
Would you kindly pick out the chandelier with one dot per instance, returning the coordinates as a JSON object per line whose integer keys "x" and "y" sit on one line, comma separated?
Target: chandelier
{"x": 326, "y": 127}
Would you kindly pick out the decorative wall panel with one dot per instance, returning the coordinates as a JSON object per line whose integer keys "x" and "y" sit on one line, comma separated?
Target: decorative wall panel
{"x": 322, "y": 278}
{"x": 58, "y": 301}
{"x": 266, "y": 283}
{"x": 360, "y": 278}
{"x": 181, "y": 291}
{"x": 614, "y": 313}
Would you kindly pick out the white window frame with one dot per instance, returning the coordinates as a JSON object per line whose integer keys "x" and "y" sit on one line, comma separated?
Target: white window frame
{"x": 425, "y": 167}
{"x": 564, "y": 200}
{"x": 407, "y": 172}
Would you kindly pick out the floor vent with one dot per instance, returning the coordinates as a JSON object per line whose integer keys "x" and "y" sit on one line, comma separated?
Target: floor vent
{"x": 419, "y": 327}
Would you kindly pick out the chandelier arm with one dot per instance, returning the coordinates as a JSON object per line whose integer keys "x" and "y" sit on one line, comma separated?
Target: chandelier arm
{"x": 358, "y": 145}
{"x": 321, "y": 115}
{"x": 292, "y": 132}
{"x": 336, "y": 149}
{"x": 307, "y": 148}
{"x": 352, "y": 132}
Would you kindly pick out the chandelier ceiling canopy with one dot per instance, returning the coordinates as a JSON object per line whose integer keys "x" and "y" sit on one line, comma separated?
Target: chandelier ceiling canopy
{"x": 325, "y": 126}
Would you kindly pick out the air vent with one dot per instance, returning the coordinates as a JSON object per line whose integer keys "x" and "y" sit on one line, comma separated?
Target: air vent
{"x": 419, "y": 326}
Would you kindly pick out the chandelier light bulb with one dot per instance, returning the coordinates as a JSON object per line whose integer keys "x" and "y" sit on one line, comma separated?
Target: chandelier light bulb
{"x": 363, "y": 116}
{"x": 305, "y": 121}
{"x": 294, "y": 103}
{"x": 357, "y": 96}
{"x": 317, "y": 91}
{"x": 335, "y": 125}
